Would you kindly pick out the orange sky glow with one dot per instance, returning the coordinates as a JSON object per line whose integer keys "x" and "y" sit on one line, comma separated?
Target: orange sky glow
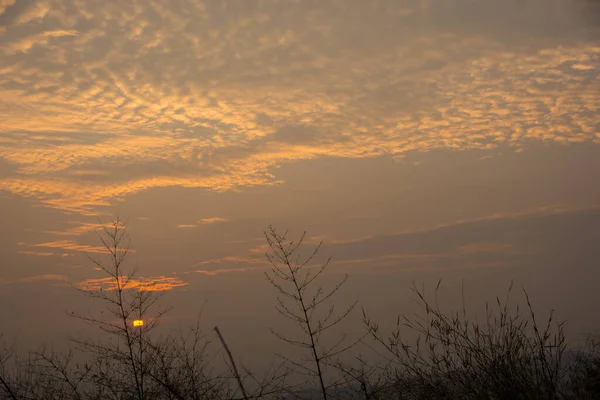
{"x": 418, "y": 140}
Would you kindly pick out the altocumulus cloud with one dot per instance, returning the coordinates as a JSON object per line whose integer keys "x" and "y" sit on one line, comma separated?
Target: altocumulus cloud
{"x": 215, "y": 94}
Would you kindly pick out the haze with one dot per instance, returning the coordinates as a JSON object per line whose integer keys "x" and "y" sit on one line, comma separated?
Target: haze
{"x": 418, "y": 139}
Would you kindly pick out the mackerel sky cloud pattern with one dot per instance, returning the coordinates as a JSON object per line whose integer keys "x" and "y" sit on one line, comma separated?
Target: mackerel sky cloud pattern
{"x": 103, "y": 99}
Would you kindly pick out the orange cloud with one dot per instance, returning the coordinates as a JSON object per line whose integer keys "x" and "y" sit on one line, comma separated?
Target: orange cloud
{"x": 70, "y": 245}
{"x": 150, "y": 284}
{"x": 4, "y": 4}
{"x": 212, "y": 220}
{"x": 228, "y": 120}
{"x": 260, "y": 249}
{"x": 81, "y": 229}
{"x": 35, "y": 253}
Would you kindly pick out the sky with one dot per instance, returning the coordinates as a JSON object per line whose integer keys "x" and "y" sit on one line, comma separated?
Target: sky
{"x": 417, "y": 139}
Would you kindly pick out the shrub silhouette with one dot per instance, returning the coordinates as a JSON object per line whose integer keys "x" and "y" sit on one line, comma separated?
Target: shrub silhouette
{"x": 509, "y": 355}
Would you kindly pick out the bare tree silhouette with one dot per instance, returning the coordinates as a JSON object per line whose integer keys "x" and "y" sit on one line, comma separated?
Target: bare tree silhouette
{"x": 300, "y": 298}
{"x": 124, "y": 302}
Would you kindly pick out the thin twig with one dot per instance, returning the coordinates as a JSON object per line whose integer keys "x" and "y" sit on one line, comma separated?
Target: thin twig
{"x": 234, "y": 367}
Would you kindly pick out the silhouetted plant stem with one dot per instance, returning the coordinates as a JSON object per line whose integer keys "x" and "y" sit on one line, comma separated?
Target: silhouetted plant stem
{"x": 231, "y": 360}
{"x": 8, "y": 388}
{"x": 300, "y": 297}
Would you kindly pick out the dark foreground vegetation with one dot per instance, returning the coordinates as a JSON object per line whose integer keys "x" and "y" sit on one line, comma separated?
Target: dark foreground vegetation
{"x": 508, "y": 355}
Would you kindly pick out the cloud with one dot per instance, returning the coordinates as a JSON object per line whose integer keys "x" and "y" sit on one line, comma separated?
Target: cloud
{"x": 37, "y": 278}
{"x": 503, "y": 239}
{"x": 41, "y": 39}
{"x": 186, "y": 226}
{"x": 151, "y": 284}
{"x": 233, "y": 260}
{"x": 100, "y": 101}
{"x": 35, "y": 253}
{"x": 22, "y": 12}
{"x": 215, "y": 272}
{"x": 212, "y": 220}
{"x": 4, "y": 4}
{"x": 485, "y": 247}
{"x": 230, "y": 264}
{"x": 71, "y": 245}
{"x": 81, "y": 229}
{"x": 515, "y": 239}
